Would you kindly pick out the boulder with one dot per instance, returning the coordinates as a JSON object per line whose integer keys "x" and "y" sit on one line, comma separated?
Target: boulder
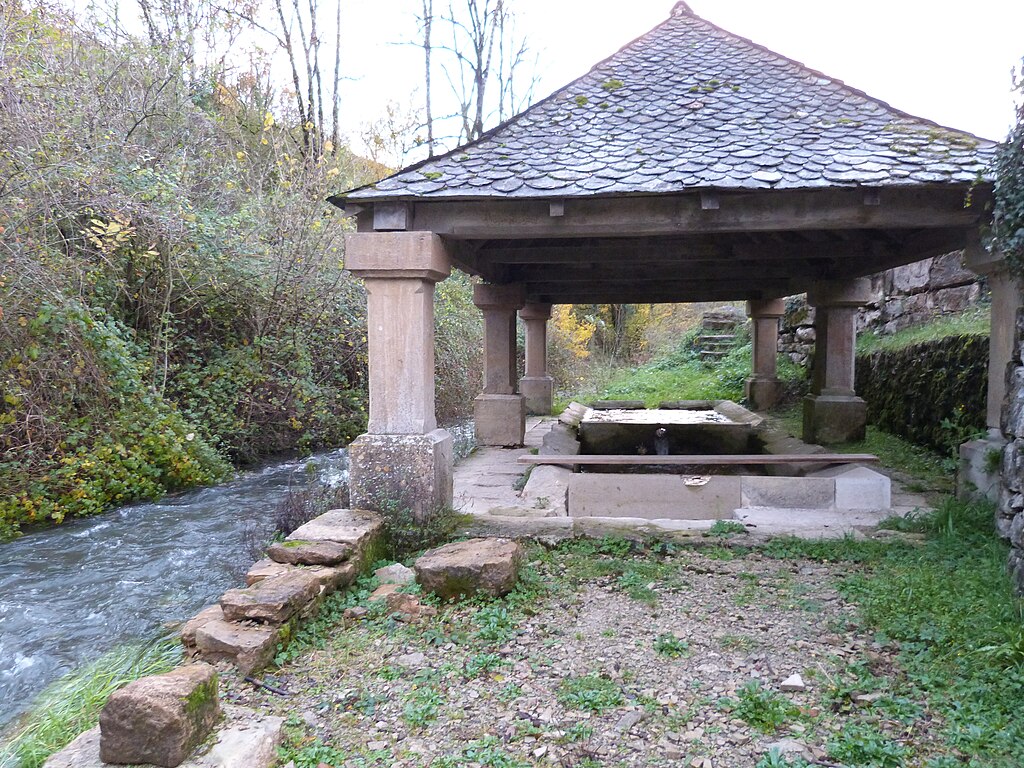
{"x": 249, "y": 647}
{"x": 271, "y": 601}
{"x": 489, "y": 566}
{"x": 160, "y": 719}
{"x": 264, "y": 569}
{"x": 358, "y": 528}
{"x": 299, "y": 552}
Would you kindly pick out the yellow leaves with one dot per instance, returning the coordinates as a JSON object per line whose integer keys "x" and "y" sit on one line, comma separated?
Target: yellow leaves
{"x": 240, "y": 155}
{"x": 309, "y": 125}
{"x": 229, "y": 185}
{"x": 264, "y": 141}
{"x": 574, "y": 334}
{"x": 328, "y": 148}
{"x": 268, "y": 121}
{"x": 108, "y": 236}
{"x": 331, "y": 173}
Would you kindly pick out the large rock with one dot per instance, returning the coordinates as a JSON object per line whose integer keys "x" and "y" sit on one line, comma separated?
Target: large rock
{"x": 299, "y": 552}
{"x": 160, "y": 719}
{"x": 330, "y": 579}
{"x": 248, "y": 647}
{"x": 271, "y": 601}
{"x": 489, "y": 566}
{"x": 359, "y": 529}
{"x": 201, "y": 619}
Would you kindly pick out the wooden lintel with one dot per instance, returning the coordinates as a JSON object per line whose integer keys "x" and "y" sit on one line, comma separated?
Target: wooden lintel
{"x": 761, "y": 211}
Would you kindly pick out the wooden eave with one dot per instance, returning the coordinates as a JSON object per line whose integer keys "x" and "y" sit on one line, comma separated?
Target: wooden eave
{"x": 706, "y": 245}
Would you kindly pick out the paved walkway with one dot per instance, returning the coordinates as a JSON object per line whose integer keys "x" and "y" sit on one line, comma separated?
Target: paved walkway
{"x": 486, "y": 479}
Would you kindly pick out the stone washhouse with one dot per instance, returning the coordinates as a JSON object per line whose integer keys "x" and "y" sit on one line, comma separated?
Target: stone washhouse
{"x": 691, "y": 165}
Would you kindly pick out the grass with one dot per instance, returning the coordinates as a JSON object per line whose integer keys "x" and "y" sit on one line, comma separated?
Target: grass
{"x": 590, "y": 693}
{"x": 930, "y": 471}
{"x": 73, "y": 703}
{"x": 760, "y": 708}
{"x": 975, "y": 321}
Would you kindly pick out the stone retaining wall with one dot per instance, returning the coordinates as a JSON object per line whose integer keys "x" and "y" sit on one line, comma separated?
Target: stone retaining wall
{"x": 906, "y": 296}
{"x": 1010, "y": 512}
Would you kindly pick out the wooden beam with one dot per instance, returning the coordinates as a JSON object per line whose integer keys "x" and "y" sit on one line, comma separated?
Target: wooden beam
{"x": 739, "y": 211}
{"x": 704, "y": 460}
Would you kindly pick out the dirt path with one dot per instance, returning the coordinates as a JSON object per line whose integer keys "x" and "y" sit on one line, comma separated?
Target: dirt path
{"x": 605, "y": 658}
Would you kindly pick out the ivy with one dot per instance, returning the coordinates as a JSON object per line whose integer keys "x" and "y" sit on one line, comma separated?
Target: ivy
{"x": 1008, "y": 219}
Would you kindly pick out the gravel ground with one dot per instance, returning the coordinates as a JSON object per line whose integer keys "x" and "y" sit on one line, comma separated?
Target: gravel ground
{"x": 604, "y": 657}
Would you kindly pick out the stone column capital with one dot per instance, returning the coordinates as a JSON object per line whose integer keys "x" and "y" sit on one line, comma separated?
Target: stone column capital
{"x": 535, "y": 312}
{"x": 499, "y": 296}
{"x": 411, "y": 255}
{"x": 840, "y": 293}
{"x": 766, "y": 308}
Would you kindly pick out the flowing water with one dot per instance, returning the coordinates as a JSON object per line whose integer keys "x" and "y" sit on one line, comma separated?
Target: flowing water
{"x": 70, "y": 593}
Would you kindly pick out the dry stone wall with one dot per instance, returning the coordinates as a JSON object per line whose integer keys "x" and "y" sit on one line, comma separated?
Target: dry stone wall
{"x": 1010, "y": 513}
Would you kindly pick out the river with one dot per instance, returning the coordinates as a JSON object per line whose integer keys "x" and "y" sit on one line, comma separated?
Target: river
{"x": 70, "y": 593}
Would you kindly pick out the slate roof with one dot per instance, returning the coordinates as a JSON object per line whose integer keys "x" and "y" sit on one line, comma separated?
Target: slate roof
{"x": 691, "y": 106}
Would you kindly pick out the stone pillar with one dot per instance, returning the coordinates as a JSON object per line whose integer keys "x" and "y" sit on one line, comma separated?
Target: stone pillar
{"x": 500, "y": 411}
{"x": 978, "y": 475}
{"x": 403, "y": 461}
{"x": 763, "y": 389}
{"x": 832, "y": 412}
{"x": 537, "y": 387}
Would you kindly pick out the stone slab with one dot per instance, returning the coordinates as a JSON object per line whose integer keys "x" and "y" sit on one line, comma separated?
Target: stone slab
{"x": 160, "y": 719}
{"x": 201, "y": 619}
{"x": 414, "y": 471}
{"x": 249, "y": 647}
{"x": 978, "y": 475}
{"x": 273, "y": 600}
{"x": 791, "y": 492}
{"x": 294, "y": 551}
{"x": 551, "y": 529}
{"x": 359, "y": 529}
{"x": 654, "y": 496}
{"x": 330, "y": 579}
{"x": 810, "y": 523}
{"x": 547, "y": 488}
{"x": 560, "y": 440}
{"x": 465, "y": 568}
{"x": 859, "y": 487}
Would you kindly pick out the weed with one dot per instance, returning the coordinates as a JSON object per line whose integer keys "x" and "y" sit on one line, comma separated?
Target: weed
{"x": 482, "y": 663}
{"x": 422, "y": 707}
{"x": 760, "y": 708}
{"x": 775, "y": 759}
{"x": 737, "y": 642}
{"x": 726, "y": 528}
{"x": 312, "y": 755}
{"x": 590, "y": 693}
{"x": 671, "y": 646}
{"x": 486, "y": 752}
{"x": 577, "y": 732}
{"x": 859, "y": 744}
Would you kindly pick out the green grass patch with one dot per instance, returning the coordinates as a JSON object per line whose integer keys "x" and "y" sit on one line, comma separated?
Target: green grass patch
{"x": 73, "y": 703}
{"x": 975, "y": 321}
{"x": 932, "y": 472}
{"x": 760, "y": 708}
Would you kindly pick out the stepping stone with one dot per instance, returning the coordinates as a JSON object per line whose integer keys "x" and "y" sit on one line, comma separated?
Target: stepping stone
{"x": 273, "y": 600}
{"x": 464, "y": 568}
{"x": 298, "y": 552}
{"x": 160, "y": 719}
{"x": 359, "y": 529}
{"x": 249, "y": 647}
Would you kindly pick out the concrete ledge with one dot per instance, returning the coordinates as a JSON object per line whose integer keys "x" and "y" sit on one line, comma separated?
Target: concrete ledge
{"x": 548, "y": 488}
{"x": 789, "y": 492}
{"x": 673, "y": 497}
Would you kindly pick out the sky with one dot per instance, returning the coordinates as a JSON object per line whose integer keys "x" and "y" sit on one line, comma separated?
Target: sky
{"x": 946, "y": 61}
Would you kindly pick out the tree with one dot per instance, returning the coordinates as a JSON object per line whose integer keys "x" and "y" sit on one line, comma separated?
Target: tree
{"x": 482, "y": 59}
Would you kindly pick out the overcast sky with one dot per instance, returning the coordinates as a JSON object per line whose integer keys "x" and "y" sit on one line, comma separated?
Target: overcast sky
{"x": 942, "y": 60}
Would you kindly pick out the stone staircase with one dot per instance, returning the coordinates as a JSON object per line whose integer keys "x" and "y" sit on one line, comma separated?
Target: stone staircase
{"x": 718, "y": 333}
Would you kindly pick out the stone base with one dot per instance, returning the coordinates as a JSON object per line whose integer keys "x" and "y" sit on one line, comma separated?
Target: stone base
{"x": 538, "y": 391}
{"x": 978, "y": 475}
{"x": 500, "y": 420}
{"x": 830, "y": 419}
{"x": 411, "y": 471}
{"x": 762, "y": 394}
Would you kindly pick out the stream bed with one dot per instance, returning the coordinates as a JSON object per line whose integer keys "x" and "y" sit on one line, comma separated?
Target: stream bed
{"x": 70, "y": 593}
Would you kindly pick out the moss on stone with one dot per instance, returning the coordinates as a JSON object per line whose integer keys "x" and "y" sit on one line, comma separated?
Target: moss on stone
{"x": 201, "y": 695}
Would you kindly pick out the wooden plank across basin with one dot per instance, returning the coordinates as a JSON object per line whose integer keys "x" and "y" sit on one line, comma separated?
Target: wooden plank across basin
{"x": 704, "y": 459}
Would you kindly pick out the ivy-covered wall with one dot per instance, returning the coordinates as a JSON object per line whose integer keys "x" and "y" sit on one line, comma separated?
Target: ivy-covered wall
{"x": 932, "y": 393}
